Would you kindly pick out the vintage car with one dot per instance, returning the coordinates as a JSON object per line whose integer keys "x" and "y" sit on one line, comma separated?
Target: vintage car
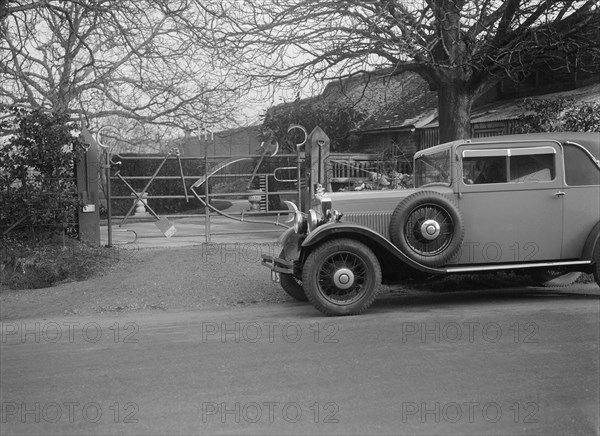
{"x": 525, "y": 203}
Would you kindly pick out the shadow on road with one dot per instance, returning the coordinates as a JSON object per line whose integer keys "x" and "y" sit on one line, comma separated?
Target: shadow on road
{"x": 428, "y": 300}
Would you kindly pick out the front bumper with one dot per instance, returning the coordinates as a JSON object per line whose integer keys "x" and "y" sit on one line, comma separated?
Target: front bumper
{"x": 277, "y": 264}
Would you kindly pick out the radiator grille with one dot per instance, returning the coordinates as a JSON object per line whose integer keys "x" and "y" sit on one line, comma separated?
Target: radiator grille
{"x": 378, "y": 221}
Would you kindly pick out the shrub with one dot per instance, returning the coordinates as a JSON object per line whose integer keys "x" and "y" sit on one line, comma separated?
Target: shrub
{"x": 27, "y": 265}
{"x": 560, "y": 115}
{"x": 37, "y": 183}
{"x": 338, "y": 121}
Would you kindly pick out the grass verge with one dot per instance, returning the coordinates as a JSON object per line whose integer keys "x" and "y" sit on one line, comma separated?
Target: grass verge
{"x": 43, "y": 263}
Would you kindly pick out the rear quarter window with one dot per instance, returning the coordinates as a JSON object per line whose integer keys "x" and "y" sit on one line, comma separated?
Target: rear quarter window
{"x": 532, "y": 168}
{"x": 579, "y": 168}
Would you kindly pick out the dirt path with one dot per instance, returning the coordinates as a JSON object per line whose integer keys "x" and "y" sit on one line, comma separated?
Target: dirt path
{"x": 191, "y": 278}
{"x": 195, "y": 277}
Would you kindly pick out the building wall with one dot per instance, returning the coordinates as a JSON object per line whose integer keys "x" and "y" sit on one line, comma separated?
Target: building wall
{"x": 430, "y": 136}
{"x": 235, "y": 142}
{"x": 494, "y": 128}
{"x": 399, "y": 147}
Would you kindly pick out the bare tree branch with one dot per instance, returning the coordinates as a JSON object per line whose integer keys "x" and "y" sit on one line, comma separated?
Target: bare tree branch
{"x": 144, "y": 60}
{"x": 460, "y": 47}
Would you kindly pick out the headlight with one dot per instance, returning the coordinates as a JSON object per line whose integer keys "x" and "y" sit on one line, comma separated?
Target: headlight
{"x": 298, "y": 218}
{"x": 299, "y": 222}
{"x": 313, "y": 220}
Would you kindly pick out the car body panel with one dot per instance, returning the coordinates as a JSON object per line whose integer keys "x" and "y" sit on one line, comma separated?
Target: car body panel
{"x": 530, "y": 218}
{"x": 539, "y": 213}
{"x": 520, "y": 219}
{"x": 354, "y": 231}
{"x": 581, "y": 196}
{"x": 368, "y": 201}
{"x": 578, "y": 222}
{"x": 592, "y": 243}
{"x": 374, "y": 209}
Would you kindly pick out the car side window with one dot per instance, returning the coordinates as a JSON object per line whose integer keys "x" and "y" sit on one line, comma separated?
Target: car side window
{"x": 532, "y": 168}
{"x": 484, "y": 169}
{"x": 509, "y": 165}
{"x": 579, "y": 168}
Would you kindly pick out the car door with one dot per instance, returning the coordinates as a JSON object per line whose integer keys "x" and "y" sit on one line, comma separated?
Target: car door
{"x": 515, "y": 212}
{"x": 581, "y": 197}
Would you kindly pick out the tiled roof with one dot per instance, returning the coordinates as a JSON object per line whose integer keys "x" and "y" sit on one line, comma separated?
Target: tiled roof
{"x": 387, "y": 102}
{"x": 406, "y": 102}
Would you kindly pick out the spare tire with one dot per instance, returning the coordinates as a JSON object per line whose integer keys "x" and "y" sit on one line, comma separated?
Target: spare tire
{"x": 427, "y": 227}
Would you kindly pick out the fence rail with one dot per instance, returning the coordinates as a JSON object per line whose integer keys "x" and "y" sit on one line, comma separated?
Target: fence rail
{"x": 274, "y": 183}
{"x": 348, "y": 169}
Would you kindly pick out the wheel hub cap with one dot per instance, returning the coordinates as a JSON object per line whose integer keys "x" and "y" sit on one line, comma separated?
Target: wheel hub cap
{"x": 343, "y": 278}
{"x": 430, "y": 229}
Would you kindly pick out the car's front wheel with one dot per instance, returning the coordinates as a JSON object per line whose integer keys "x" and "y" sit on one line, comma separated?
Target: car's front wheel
{"x": 341, "y": 277}
{"x": 292, "y": 286}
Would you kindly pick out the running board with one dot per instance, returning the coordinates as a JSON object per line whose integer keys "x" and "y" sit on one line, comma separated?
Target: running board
{"x": 460, "y": 269}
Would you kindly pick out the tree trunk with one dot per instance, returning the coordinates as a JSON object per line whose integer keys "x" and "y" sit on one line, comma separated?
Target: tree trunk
{"x": 454, "y": 108}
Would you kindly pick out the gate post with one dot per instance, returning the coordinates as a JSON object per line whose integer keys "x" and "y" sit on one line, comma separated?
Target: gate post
{"x": 319, "y": 145}
{"x": 87, "y": 191}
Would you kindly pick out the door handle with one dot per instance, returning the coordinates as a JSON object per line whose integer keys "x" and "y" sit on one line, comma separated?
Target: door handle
{"x": 559, "y": 194}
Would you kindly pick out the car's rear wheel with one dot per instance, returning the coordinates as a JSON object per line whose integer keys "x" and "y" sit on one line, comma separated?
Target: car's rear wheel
{"x": 427, "y": 227}
{"x": 341, "y": 277}
{"x": 292, "y": 285}
{"x": 555, "y": 278}
{"x": 596, "y": 264}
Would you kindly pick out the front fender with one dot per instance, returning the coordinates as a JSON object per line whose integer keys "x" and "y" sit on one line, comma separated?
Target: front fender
{"x": 290, "y": 242}
{"x": 285, "y": 236}
{"x": 362, "y": 233}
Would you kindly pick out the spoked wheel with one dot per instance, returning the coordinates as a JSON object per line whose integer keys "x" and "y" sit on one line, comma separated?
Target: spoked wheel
{"x": 341, "y": 277}
{"x": 292, "y": 286}
{"x": 428, "y": 230}
{"x": 596, "y": 265}
{"x": 427, "y": 227}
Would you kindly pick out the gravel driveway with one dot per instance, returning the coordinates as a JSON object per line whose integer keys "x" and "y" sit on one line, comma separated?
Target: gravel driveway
{"x": 203, "y": 276}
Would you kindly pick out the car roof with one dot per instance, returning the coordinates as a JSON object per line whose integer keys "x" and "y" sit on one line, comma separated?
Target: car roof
{"x": 588, "y": 140}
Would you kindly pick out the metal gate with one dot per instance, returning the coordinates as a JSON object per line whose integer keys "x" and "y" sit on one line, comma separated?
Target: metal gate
{"x": 257, "y": 184}
{"x": 155, "y": 188}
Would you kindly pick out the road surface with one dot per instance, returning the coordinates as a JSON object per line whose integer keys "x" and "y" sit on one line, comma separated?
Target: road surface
{"x": 492, "y": 362}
